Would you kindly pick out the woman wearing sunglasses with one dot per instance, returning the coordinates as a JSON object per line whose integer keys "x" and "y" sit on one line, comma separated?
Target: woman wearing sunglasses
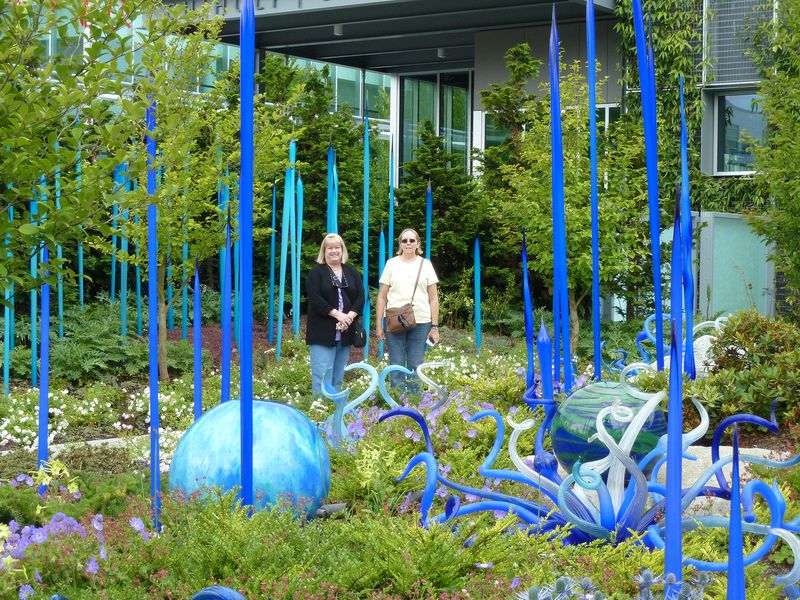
{"x": 335, "y": 301}
{"x": 409, "y": 278}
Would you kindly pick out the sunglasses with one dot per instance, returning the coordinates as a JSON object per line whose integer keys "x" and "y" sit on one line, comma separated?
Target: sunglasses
{"x": 408, "y": 240}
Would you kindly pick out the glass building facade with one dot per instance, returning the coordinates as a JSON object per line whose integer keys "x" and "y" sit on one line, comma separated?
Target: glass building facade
{"x": 443, "y": 100}
{"x": 352, "y": 86}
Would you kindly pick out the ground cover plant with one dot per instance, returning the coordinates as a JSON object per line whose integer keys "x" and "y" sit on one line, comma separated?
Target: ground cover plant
{"x": 374, "y": 549}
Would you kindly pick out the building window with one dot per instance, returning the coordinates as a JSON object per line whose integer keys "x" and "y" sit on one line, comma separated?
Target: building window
{"x": 377, "y": 87}
{"x": 443, "y": 100}
{"x": 418, "y": 105}
{"x": 739, "y": 124}
{"x": 224, "y": 55}
{"x": 347, "y": 86}
{"x": 454, "y": 115}
{"x": 494, "y": 134}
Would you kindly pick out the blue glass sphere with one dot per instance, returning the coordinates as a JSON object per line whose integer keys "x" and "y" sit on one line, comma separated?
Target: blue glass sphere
{"x": 576, "y": 418}
{"x": 290, "y": 457}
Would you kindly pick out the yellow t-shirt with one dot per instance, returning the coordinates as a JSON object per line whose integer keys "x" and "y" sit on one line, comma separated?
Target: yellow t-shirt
{"x": 400, "y": 275}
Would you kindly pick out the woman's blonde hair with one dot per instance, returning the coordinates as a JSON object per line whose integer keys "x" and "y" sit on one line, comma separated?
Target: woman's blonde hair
{"x": 400, "y": 243}
{"x": 332, "y": 239}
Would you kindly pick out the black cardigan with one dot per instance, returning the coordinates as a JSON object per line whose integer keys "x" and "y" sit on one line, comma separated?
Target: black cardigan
{"x": 323, "y": 297}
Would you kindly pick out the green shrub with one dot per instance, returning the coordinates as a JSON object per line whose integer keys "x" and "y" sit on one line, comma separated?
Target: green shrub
{"x": 757, "y": 360}
{"x": 749, "y": 340}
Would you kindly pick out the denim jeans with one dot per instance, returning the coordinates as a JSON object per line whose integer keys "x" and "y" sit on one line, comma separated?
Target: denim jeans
{"x": 407, "y": 349}
{"x": 328, "y": 362}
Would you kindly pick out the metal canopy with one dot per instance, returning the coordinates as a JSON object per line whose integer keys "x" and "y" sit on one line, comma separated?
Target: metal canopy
{"x": 392, "y": 35}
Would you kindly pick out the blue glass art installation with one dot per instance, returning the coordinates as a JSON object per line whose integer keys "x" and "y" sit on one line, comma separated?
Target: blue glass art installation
{"x": 290, "y": 457}
{"x": 334, "y": 425}
{"x": 614, "y": 494}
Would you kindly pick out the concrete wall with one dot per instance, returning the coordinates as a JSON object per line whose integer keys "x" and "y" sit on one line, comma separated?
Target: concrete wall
{"x": 491, "y": 46}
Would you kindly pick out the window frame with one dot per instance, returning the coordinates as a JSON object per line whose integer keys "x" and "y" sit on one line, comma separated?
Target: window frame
{"x": 715, "y": 171}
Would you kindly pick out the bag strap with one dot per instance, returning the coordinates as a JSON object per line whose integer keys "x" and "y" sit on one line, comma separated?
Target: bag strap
{"x": 416, "y": 281}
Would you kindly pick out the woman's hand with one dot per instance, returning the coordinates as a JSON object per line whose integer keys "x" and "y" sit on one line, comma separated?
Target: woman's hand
{"x": 379, "y": 332}
{"x": 342, "y": 318}
{"x": 434, "y": 335}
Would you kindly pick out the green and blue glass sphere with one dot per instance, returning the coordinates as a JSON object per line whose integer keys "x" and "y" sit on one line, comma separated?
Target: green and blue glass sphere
{"x": 576, "y": 421}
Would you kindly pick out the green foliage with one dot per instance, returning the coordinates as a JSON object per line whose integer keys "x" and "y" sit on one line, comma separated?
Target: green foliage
{"x": 56, "y": 114}
{"x": 524, "y": 198}
{"x": 504, "y": 103}
{"x": 72, "y": 495}
{"x": 92, "y": 349}
{"x": 778, "y": 56}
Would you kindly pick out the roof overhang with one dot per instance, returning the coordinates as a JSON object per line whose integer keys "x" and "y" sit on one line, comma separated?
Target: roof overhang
{"x": 392, "y": 35}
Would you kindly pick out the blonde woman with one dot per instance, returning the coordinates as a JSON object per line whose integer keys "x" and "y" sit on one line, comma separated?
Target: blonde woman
{"x": 397, "y": 281}
{"x": 335, "y": 300}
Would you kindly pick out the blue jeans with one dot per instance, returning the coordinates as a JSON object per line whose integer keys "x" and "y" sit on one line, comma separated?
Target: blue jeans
{"x": 407, "y": 349}
{"x": 328, "y": 362}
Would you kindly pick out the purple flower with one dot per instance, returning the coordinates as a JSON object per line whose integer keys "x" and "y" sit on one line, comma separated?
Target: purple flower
{"x": 472, "y": 433}
{"x": 513, "y": 410}
{"x": 441, "y": 491}
{"x": 406, "y": 502}
{"x": 426, "y": 399}
{"x": 37, "y": 575}
{"x": 76, "y": 495}
{"x": 487, "y": 406}
{"x": 26, "y": 591}
{"x": 520, "y": 371}
{"x": 39, "y": 535}
{"x": 137, "y": 524}
{"x": 92, "y": 566}
{"x": 408, "y": 433}
{"x": 103, "y": 555}
{"x": 13, "y": 526}
{"x": 499, "y": 514}
{"x": 486, "y": 565}
{"x": 356, "y": 429}
{"x": 416, "y": 437}
{"x": 514, "y": 583}
{"x": 97, "y": 522}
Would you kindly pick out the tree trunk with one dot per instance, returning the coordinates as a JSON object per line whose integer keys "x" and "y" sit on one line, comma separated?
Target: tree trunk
{"x": 630, "y": 309}
{"x": 163, "y": 372}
